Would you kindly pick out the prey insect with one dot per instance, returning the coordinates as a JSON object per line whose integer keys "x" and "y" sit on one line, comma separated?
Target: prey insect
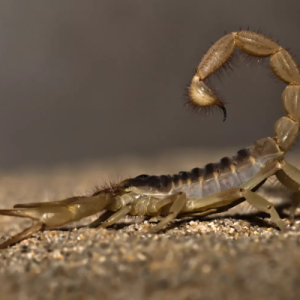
{"x": 201, "y": 191}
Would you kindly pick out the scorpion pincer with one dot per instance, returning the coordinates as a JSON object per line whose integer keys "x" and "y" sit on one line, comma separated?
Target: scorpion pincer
{"x": 201, "y": 191}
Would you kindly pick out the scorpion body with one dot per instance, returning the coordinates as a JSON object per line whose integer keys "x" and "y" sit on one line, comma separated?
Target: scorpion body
{"x": 212, "y": 189}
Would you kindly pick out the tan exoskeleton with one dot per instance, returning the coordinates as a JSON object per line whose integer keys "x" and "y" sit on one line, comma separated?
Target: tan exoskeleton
{"x": 213, "y": 189}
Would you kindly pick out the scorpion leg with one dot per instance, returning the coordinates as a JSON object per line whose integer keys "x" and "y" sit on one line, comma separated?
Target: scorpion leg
{"x": 294, "y": 206}
{"x": 235, "y": 196}
{"x": 179, "y": 201}
{"x": 121, "y": 213}
{"x": 154, "y": 207}
{"x": 264, "y": 205}
{"x": 232, "y": 197}
{"x": 224, "y": 200}
{"x": 101, "y": 219}
{"x": 289, "y": 176}
{"x": 204, "y": 213}
{"x": 199, "y": 214}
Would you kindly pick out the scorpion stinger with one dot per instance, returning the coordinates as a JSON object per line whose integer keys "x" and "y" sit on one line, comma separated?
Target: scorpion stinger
{"x": 201, "y": 191}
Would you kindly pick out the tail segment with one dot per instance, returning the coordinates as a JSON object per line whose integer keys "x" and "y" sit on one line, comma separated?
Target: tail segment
{"x": 254, "y": 44}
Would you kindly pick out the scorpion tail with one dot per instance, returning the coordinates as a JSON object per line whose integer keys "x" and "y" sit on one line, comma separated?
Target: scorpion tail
{"x": 283, "y": 65}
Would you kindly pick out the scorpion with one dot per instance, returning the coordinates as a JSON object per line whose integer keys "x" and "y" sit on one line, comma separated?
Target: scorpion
{"x": 201, "y": 191}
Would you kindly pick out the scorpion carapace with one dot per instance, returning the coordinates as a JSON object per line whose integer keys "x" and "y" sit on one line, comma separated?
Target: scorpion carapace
{"x": 200, "y": 192}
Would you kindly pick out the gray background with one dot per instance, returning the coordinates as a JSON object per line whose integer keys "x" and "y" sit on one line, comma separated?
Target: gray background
{"x": 88, "y": 80}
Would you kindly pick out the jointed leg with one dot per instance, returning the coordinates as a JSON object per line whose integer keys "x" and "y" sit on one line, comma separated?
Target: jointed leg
{"x": 264, "y": 205}
{"x": 295, "y": 205}
{"x": 234, "y": 196}
{"x": 289, "y": 176}
{"x": 101, "y": 219}
{"x": 116, "y": 216}
{"x": 223, "y": 200}
{"x": 202, "y": 213}
{"x": 22, "y": 235}
{"x": 269, "y": 170}
{"x": 178, "y": 202}
{"x": 209, "y": 211}
{"x": 231, "y": 197}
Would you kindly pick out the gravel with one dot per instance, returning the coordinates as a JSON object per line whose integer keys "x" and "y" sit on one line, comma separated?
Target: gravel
{"x": 227, "y": 257}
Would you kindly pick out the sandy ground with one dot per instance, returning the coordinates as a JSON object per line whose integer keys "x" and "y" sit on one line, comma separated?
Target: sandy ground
{"x": 227, "y": 257}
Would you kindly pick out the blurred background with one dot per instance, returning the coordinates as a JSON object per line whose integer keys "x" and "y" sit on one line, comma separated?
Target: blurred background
{"x": 83, "y": 81}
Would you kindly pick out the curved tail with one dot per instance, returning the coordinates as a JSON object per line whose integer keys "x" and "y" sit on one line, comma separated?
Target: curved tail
{"x": 283, "y": 65}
